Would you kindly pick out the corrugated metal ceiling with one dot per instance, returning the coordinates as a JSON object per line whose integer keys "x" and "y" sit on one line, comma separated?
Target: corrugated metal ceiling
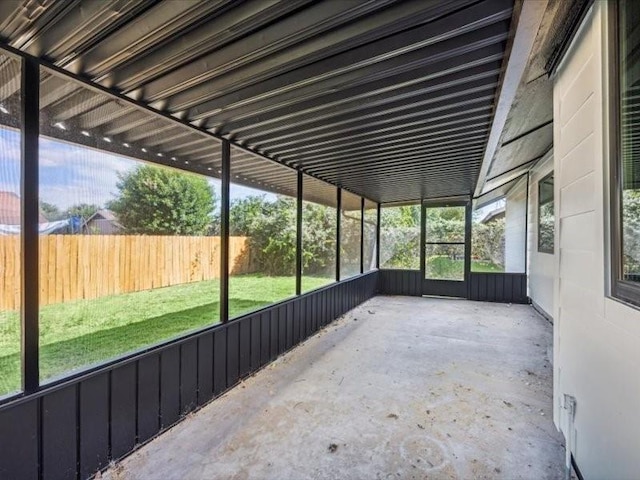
{"x": 390, "y": 99}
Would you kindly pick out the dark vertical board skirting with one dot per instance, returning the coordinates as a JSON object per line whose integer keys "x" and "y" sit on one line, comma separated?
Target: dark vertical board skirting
{"x": 498, "y": 287}
{"x": 19, "y": 440}
{"x": 244, "y": 347}
{"x": 188, "y": 376}
{"x": 233, "y": 355}
{"x": 289, "y": 309}
{"x": 265, "y": 338}
{"x": 148, "y": 397}
{"x": 72, "y": 431}
{"x": 255, "y": 342}
{"x": 220, "y": 361}
{"x": 205, "y": 368}
{"x": 59, "y": 434}
{"x": 169, "y": 386}
{"x": 123, "y": 410}
{"x": 94, "y": 424}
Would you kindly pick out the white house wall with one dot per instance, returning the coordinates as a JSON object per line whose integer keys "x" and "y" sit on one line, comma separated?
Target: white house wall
{"x": 541, "y": 265}
{"x": 596, "y": 339}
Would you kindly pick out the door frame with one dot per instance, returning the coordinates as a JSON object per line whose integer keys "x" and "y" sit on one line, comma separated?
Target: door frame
{"x": 446, "y": 288}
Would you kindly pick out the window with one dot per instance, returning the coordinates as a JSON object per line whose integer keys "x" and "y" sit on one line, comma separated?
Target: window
{"x": 488, "y": 237}
{"x": 319, "y": 233}
{"x": 129, "y": 246}
{"x": 400, "y": 237}
{"x": 626, "y": 160}
{"x": 262, "y": 232}
{"x": 546, "y": 220}
{"x": 350, "y": 228}
{"x": 370, "y": 229}
{"x": 10, "y": 228}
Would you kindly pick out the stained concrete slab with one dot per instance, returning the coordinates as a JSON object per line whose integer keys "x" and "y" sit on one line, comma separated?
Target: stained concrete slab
{"x": 400, "y": 387}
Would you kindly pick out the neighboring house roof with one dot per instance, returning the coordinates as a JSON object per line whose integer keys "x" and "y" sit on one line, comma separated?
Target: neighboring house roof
{"x": 10, "y": 209}
{"x": 104, "y": 214}
{"x": 494, "y": 215}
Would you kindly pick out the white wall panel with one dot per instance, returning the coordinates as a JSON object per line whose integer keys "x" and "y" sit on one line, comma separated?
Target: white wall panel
{"x": 541, "y": 265}
{"x": 596, "y": 339}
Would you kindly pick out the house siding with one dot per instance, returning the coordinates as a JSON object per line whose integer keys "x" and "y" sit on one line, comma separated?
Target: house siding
{"x": 596, "y": 338}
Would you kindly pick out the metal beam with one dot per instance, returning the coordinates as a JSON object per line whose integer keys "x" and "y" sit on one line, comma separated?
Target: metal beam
{"x": 224, "y": 231}
{"x": 30, "y": 213}
{"x": 300, "y": 194}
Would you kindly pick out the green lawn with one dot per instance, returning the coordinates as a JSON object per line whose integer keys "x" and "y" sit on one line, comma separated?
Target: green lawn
{"x": 445, "y": 268}
{"x": 480, "y": 266}
{"x": 74, "y": 335}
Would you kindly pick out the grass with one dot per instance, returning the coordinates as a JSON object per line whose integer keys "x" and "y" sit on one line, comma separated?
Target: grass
{"x": 75, "y": 335}
{"x": 480, "y": 266}
{"x": 445, "y": 268}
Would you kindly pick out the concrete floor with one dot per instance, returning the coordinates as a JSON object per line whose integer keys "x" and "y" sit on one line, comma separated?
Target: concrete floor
{"x": 400, "y": 387}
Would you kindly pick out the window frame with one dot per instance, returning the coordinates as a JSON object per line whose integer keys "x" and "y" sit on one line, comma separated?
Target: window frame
{"x": 542, "y": 249}
{"x": 621, "y": 289}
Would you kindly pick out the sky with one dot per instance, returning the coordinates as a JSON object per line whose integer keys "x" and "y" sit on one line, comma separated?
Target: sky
{"x": 72, "y": 174}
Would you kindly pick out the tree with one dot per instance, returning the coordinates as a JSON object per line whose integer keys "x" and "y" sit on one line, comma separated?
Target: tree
{"x": 51, "y": 212}
{"x": 631, "y": 231}
{"x": 161, "y": 201}
{"x": 270, "y": 226}
{"x": 83, "y": 210}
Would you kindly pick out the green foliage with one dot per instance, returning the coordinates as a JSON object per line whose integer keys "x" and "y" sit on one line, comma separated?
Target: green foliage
{"x": 83, "y": 210}
{"x": 631, "y": 231}
{"x": 487, "y": 242}
{"x": 318, "y": 239}
{"x": 271, "y": 228}
{"x": 400, "y": 237}
{"x": 52, "y": 212}
{"x": 546, "y": 227}
{"x": 161, "y": 201}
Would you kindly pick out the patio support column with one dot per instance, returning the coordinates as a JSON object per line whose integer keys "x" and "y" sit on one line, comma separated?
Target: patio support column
{"x": 361, "y": 234}
{"x": 378, "y": 236}
{"x": 224, "y": 232}
{"x": 339, "y": 212}
{"x": 467, "y": 244}
{"x": 30, "y": 110}
{"x": 526, "y": 229}
{"x": 299, "y": 237}
{"x": 423, "y": 239}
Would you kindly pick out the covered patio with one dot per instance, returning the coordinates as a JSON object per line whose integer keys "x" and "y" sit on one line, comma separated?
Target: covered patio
{"x": 398, "y": 387}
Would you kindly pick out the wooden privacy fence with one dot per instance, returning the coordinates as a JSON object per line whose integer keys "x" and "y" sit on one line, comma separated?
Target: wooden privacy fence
{"x": 74, "y": 267}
